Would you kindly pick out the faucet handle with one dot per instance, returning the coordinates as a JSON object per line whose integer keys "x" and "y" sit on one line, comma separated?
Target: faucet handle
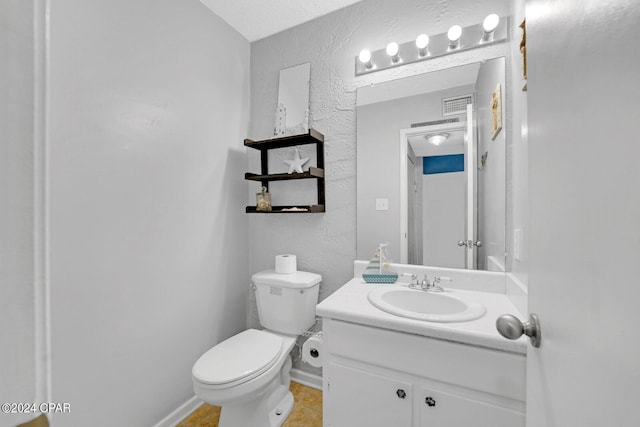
{"x": 437, "y": 279}
{"x": 413, "y": 280}
{"x": 435, "y": 287}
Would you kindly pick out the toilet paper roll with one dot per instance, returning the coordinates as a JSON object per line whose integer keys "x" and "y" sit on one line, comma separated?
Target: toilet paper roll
{"x": 286, "y": 264}
{"x": 312, "y": 350}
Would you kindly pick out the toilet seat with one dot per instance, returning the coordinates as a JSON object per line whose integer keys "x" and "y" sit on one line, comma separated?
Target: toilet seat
{"x": 238, "y": 359}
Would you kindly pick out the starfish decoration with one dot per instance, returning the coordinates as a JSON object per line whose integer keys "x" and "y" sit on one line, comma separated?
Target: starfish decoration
{"x": 296, "y": 163}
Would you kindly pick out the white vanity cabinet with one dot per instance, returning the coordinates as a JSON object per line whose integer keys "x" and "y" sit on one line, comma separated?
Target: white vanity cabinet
{"x": 379, "y": 377}
{"x": 362, "y": 397}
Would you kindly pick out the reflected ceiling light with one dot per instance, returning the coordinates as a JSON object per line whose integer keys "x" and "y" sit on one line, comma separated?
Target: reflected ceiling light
{"x": 392, "y": 51}
{"x": 489, "y": 26}
{"x": 454, "y": 35}
{"x": 422, "y": 41}
{"x": 365, "y": 58}
{"x": 437, "y": 138}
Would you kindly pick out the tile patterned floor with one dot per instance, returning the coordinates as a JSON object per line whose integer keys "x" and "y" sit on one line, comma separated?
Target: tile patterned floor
{"x": 307, "y": 410}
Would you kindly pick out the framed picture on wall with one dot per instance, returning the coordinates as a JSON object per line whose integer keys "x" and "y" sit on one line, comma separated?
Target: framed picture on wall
{"x": 496, "y": 112}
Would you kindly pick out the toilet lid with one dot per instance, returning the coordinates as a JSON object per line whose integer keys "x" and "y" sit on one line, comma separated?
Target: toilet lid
{"x": 242, "y": 357}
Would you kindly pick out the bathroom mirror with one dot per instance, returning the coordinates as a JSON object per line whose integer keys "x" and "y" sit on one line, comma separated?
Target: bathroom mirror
{"x": 431, "y": 167}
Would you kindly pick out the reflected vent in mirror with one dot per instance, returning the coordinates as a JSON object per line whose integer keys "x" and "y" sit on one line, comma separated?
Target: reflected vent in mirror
{"x": 456, "y": 105}
{"x": 435, "y": 122}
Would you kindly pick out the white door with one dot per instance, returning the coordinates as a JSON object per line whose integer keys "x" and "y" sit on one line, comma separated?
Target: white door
{"x": 584, "y": 154}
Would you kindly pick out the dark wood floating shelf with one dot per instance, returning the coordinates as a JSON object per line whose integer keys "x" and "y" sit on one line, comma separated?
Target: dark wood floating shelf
{"x": 311, "y": 173}
{"x": 317, "y": 172}
{"x": 311, "y": 137}
{"x": 283, "y": 209}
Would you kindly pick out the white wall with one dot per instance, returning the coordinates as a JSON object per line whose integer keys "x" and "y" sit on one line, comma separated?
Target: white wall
{"x": 491, "y": 180}
{"x": 17, "y": 303}
{"x": 148, "y": 110}
{"x": 517, "y": 152}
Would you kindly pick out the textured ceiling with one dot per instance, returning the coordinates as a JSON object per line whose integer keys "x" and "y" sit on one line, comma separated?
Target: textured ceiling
{"x": 257, "y": 19}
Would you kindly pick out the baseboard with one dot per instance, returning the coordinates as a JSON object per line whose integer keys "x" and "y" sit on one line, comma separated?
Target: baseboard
{"x": 305, "y": 378}
{"x": 182, "y": 412}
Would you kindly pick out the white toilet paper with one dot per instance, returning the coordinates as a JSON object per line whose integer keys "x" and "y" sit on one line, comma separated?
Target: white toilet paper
{"x": 286, "y": 264}
{"x": 312, "y": 350}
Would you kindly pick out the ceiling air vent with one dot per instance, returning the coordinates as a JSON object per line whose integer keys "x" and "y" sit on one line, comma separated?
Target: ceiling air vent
{"x": 456, "y": 105}
{"x": 436, "y": 122}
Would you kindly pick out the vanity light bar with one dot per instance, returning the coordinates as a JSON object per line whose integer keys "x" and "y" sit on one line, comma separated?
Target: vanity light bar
{"x": 492, "y": 30}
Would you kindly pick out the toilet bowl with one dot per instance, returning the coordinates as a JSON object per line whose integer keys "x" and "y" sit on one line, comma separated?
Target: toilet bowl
{"x": 248, "y": 373}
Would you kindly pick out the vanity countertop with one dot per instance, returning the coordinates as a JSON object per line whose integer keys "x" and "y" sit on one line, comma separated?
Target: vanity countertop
{"x": 350, "y": 303}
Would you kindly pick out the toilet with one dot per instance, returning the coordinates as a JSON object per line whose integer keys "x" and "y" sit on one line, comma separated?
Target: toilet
{"x": 248, "y": 374}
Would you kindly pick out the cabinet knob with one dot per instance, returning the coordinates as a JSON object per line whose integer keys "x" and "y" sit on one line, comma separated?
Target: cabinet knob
{"x": 401, "y": 393}
{"x": 430, "y": 401}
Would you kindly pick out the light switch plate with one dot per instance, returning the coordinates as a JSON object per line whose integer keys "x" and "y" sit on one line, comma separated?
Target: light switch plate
{"x": 382, "y": 204}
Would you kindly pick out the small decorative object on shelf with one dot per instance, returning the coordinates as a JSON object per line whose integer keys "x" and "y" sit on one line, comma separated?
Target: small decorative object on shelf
{"x": 295, "y": 165}
{"x": 263, "y": 201}
{"x": 281, "y": 120}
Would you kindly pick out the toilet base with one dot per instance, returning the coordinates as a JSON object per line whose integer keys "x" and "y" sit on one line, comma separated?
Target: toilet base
{"x": 282, "y": 410}
{"x": 263, "y": 411}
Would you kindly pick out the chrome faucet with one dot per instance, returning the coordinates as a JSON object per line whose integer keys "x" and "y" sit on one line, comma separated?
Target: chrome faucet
{"x": 426, "y": 285}
{"x": 413, "y": 284}
{"x": 435, "y": 287}
{"x": 423, "y": 285}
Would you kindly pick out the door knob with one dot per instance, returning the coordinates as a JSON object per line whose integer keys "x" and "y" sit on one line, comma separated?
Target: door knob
{"x": 512, "y": 328}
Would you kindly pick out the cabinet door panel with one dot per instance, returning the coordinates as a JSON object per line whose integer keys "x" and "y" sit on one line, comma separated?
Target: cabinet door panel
{"x": 440, "y": 409}
{"x": 359, "y": 398}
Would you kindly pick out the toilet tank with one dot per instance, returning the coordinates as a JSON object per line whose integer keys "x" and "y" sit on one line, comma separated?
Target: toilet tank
{"x": 286, "y": 302}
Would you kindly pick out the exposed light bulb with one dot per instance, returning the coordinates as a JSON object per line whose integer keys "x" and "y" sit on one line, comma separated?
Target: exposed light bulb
{"x": 490, "y": 23}
{"x": 454, "y": 34}
{"x": 392, "y": 51}
{"x": 422, "y": 41}
{"x": 365, "y": 58}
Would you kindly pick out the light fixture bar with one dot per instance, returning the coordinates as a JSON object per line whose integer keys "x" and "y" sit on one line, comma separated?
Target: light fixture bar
{"x": 472, "y": 37}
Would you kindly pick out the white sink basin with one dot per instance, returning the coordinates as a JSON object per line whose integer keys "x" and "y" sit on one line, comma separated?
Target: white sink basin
{"x": 421, "y": 305}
